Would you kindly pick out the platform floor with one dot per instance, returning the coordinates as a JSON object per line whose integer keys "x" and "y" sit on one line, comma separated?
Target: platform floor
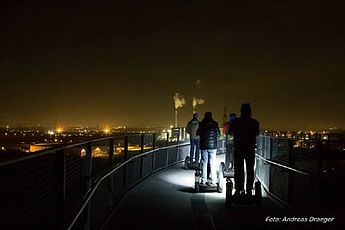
{"x": 166, "y": 200}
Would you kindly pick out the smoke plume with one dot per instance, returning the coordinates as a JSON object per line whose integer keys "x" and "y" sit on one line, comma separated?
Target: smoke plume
{"x": 197, "y": 101}
{"x": 179, "y": 100}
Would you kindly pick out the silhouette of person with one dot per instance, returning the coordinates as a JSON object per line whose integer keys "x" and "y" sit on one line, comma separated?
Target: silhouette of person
{"x": 209, "y": 133}
{"x": 245, "y": 130}
{"x": 192, "y": 127}
{"x": 229, "y": 138}
{"x": 232, "y": 117}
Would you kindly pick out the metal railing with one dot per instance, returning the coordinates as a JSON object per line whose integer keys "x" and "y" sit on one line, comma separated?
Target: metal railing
{"x": 141, "y": 166}
{"x": 294, "y": 175}
{"x": 45, "y": 190}
{"x": 77, "y": 186}
{"x": 151, "y": 161}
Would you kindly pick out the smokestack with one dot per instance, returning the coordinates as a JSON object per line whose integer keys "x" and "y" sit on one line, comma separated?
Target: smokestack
{"x": 179, "y": 102}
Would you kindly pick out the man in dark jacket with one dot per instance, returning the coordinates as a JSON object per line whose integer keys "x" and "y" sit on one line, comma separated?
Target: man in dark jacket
{"x": 192, "y": 127}
{"x": 209, "y": 133}
{"x": 245, "y": 130}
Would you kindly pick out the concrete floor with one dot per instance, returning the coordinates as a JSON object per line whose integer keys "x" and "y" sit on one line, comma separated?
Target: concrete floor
{"x": 166, "y": 200}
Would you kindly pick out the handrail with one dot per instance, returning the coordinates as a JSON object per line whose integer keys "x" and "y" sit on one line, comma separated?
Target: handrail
{"x": 283, "y": 166}
{"x": 98, "y": 181}
{"x": 54, "y": 150}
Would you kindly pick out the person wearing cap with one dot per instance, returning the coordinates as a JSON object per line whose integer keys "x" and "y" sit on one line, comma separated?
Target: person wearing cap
{"x": 245, "y": 130}
{"x": 209, "y": 133}
{"x": 191, "y": 128}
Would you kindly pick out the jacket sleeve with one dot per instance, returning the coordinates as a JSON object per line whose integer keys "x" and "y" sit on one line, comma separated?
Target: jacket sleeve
{"x": 188, "y": 128}
{"x": 257, "y": 129}
{"x": 218, "y": 131}
{"x": 198, "y": 130}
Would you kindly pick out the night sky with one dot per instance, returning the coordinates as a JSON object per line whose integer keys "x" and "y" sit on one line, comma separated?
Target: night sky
{"x": 121, "y": 62}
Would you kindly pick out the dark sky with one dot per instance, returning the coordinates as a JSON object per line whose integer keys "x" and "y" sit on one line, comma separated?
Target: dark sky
{"x": 121, "y": 62}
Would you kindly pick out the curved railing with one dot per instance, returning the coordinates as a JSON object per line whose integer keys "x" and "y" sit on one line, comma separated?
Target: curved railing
{"x": 150, "y": 161}
{"x": 157, "y": 158}
{"x": 44, "y": 189}
{"x": 77, "y": 186}
{"x": 293, "y": 175}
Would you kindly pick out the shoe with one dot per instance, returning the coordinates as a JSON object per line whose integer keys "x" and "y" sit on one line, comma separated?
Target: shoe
{"x": 212, "y": 184}
{"x": 202, "y": 183}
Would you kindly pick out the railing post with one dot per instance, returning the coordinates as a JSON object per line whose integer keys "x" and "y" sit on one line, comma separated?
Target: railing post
{"x": 111, "y": 151}
{"x": 319, "y": 166}
{"x": 270, "y": 166}
{"x": 141, "y": 158}
{"x": 153, "y": 154}
{"x": 88, "y": 182}
{"x": 291, "y": 173}
{"x": 61, "y": 183}
{"x": 167, "y": 153}
{"x": 154, "y": 141}
{"x": 125, "y": 151}
{"x": 125, "y": 156}
{"x": 111, "y": 159}
{"x": 178, "y": 148}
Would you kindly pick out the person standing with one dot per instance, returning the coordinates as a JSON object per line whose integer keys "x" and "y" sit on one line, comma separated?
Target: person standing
{"x": 226, "y": 126}
{"x": 229, "y": 140}
{"x": 192, "y": 127}
{"x": 209, "y": 133}
{"x": 245, "y": 130}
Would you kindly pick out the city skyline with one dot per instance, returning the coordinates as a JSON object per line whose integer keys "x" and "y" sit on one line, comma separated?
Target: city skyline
{"x": 121, "y": 63}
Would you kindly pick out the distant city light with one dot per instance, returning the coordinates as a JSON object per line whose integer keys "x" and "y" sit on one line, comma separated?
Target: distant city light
{"x": 59, "y": 130}
{"x": 50, "y": 132}
{"x": 83, "y": 153}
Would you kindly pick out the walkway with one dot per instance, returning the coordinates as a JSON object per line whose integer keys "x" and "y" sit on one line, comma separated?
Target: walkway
{"x": 166, "y": 201}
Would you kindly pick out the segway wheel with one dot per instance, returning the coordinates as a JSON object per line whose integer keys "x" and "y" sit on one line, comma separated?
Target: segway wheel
{"x": 228, "y": 194}
{"x": 222, "y": 167}
{"x": 258, "y": 193}
{"x": 197, "y": 187}
{"x": 187, "y": 162}
{"x": 220, "y": 183}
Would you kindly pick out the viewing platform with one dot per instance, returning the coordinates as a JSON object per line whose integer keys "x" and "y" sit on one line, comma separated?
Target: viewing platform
{"x": 139, "y": 181}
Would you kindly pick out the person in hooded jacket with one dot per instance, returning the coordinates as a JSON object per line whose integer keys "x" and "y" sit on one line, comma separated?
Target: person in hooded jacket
{"x": 245, "y": 130}
{"x": 209, "y": 133}
{"x": 192, "y": 127}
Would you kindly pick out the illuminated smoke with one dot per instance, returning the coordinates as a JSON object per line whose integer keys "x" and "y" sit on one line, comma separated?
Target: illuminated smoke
{"x": 197, "y": 101}
{"x": 179, "y": 101}
{"x": 198, "y": 83}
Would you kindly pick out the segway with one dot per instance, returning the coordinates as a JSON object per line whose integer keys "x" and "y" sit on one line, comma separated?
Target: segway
{"x": 187, "y": 162}
{"x": 199, "y": 187}
{"x": 242, "y": 198}
{"x": 190, "y": 165}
